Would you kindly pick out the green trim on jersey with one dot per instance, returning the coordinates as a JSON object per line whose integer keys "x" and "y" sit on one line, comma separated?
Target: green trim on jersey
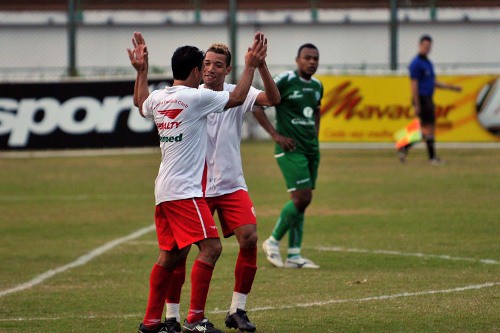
{"x": 300, "y": 99}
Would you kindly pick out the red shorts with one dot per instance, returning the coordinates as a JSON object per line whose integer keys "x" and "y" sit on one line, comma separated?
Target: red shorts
{"x": 183, "y": 222}
{"x": 234, "y": 210}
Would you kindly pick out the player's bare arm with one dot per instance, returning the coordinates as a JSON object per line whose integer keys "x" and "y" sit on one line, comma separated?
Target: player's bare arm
{"x": 139, "y": 59}
{"x": 271, "y": 95}
{"x": 286, "y": 143}
{"x": 253, "y": 58}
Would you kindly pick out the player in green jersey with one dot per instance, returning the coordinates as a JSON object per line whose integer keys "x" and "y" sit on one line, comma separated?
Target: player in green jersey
{"x": 297, "y": 152}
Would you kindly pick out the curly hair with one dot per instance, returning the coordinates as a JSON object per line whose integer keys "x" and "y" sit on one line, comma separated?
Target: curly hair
{"x": 220, "y": 48}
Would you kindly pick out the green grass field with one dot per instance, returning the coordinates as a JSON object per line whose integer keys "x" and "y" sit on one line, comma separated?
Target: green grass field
{"x": 402, "y": 248}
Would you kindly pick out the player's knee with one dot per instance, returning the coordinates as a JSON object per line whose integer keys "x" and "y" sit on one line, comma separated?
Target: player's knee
{"x": 210, "y": 250}
{"x": 248, "y": 239}
{"x": 167, "y": 259}
{"x": 214, "y": 250}
{"x": 302, "y": 201}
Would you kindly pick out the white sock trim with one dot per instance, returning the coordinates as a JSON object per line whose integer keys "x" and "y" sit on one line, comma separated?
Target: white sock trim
{"x": 274, "y": 241}
{"x": 173, "y": 311}
{"x": 239, "y": 301}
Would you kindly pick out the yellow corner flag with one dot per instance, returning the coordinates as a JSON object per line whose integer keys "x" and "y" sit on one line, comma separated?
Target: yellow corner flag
{"x": 411, "y": 133}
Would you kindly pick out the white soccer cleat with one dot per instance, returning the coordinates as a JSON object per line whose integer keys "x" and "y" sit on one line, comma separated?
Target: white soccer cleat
{"x": 272, "y": 253}
{"x": 299, "y": 262}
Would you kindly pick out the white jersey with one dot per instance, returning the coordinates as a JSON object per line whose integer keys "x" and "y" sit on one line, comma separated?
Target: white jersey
{"x": 180, "y": 114}
{"x": 224, "y": 169}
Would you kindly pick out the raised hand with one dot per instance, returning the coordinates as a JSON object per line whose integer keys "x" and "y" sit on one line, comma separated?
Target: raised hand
{"x": 139, "y": 54}
{"x": 257, "y": 53}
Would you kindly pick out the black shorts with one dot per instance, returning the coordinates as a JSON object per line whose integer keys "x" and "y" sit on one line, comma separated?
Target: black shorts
{"x": 427, "y": 114}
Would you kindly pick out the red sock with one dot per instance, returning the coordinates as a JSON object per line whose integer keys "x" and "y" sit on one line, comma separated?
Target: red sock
{"x": 159, "y": 281}
{"x": 178, "y": 278}
{"x": 244, "y": 272}
{"x": 201, "y": 274}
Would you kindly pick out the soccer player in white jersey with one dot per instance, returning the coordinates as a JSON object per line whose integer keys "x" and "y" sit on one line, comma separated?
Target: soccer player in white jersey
{"x": 226, "y": 190}
{"x": 182, "y": 216}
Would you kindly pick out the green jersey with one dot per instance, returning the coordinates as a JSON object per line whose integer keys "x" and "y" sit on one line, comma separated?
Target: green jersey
{"x": 295, "y": 115}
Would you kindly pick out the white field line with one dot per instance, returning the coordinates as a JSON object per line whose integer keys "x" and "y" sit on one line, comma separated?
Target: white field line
{"x": 404, "y": 254}
{"x": 298, "y": 305}
{"x": 78, "y": 262}
{"x": 373, "y": 298}
{"x": 110, "y": 245}
{"x": 350, "y": 250}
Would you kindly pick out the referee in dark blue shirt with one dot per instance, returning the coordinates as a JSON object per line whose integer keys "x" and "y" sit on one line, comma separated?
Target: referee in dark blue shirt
{"x": 423, "y": 82}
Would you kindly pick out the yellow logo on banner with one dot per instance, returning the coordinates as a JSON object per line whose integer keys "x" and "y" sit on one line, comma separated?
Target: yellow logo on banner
{"x": 372, "y": 109}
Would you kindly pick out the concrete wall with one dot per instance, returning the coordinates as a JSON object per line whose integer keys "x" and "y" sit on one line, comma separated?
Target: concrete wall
{"x": 348, "y": 44}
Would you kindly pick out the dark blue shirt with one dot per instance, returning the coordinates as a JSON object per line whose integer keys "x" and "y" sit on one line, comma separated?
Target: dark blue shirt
{"x": 421, "y": 69}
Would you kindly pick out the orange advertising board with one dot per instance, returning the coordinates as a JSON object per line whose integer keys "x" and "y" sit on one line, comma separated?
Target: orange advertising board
{"x": 373, "y": 108}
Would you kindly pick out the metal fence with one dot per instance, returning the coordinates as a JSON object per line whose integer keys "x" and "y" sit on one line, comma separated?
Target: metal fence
{"x": 354, "y": 40}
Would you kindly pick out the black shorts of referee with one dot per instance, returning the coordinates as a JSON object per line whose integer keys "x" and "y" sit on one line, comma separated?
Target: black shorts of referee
{"x": 427, "y": 110}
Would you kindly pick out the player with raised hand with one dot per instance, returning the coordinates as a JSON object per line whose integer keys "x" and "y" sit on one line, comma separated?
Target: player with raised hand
{"x": 182, "y": 217}
{"x": 226, "y": 190}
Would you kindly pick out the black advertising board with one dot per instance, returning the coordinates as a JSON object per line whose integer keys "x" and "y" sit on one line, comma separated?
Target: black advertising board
{"x": 64, "y": 115}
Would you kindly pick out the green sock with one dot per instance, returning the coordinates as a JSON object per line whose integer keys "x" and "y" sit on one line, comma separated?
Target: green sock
{"x": 287, "y": 217}
{"x": 295, "y": 236}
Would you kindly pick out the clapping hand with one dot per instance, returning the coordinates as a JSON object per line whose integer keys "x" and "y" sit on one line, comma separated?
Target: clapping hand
{"x": 258, "y": 52}
{"x": 139, "y": 54}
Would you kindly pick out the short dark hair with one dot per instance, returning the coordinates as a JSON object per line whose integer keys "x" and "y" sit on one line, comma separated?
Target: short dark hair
{"x": 425, "y": 38}
{"x": 306, "y": 46}
{"x": 186, "y": 58}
